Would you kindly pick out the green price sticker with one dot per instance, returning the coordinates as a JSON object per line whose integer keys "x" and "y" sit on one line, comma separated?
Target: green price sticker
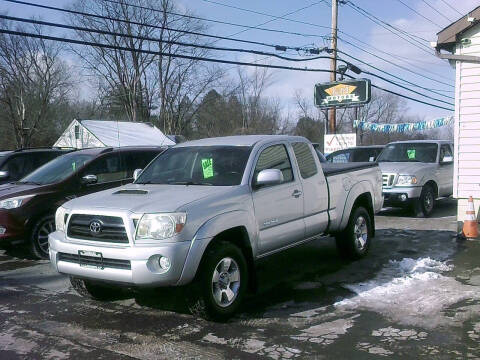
{"x": 411, "y": 154}
{"x": 74, "y": 166}
{"x": 207, "y": 167}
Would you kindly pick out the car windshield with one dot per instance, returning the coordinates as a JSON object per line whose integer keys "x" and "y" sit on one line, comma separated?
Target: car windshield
{"x": 409, "y": 152}
{"x": 58, "y": 169}
{"x": 198, "y": 165}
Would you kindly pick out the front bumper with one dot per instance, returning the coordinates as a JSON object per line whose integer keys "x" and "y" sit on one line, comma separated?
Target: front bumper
{"x": 11, "y": 227}
{"x": 141, "y": 258}
{"x": 400, "y": 195}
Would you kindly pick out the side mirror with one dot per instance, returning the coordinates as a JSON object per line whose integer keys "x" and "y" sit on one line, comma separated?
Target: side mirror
{"x": 269, "y": 177}
{"x": 136, "y": 174}
{"x": 447, "y": 160}
{"x": 4, "y": 175}
{"x": 89, "y": 179}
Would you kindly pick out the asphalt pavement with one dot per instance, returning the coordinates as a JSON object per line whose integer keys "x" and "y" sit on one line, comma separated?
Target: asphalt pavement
{"x": 416, "y": 295}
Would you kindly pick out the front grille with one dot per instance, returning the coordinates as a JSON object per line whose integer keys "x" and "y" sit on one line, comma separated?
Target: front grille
{"x": 387, "y": 180}
{"x": 95, "y": 261}
{"x": 112, "y": 228}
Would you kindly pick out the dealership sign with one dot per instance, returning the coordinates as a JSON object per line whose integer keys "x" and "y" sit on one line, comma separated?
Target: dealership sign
{"x": 334, "y": 142}
{"x": 343, "y": 93}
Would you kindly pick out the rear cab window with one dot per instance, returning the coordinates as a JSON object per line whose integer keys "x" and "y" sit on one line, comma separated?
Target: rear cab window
{"x": 305, "y": 159}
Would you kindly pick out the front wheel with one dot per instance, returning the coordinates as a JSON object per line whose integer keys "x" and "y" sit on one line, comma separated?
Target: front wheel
{"x": 39, "y": 236}
{"x": 354, "y": 242}
{"x": 221, "y": 283}
{"x": 427, "y": 200}
{"x": 90, "y": 290}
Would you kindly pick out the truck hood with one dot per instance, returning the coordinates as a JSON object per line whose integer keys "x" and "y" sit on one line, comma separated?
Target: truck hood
{"x": 149, "y": 198}
{"x": 405, "y": 168}
{"x": 10, "y": 190}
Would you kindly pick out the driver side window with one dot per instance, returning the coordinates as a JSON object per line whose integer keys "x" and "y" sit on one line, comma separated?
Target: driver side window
{"x": 107, "y": 169}
{"x": 275, "y": 157}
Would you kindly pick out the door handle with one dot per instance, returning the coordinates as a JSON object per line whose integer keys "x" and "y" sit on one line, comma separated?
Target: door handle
{"x": 296, "y": 193}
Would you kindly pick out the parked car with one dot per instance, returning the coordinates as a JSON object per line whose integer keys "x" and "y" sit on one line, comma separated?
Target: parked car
{"x": 355, "y": 154}
{"x": 27, "y": 207}
{"x": 416, "y": 173}
{"x": 204, "y": 211}
{"x": 16, "y": 164}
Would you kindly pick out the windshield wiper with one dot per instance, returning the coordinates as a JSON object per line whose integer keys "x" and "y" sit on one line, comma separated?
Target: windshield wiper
{"x": 189, "y": 183}
{"x": 28, "y": 182}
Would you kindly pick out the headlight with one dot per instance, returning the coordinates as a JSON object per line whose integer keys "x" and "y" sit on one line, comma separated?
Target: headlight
{"x": 160, "y": 226}
{"x": 404, "y": 180}
{"x": 60, "y": 217}
{"x": 15, "y": 202}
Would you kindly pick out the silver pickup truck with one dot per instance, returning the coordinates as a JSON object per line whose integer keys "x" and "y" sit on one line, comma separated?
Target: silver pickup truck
{"x": 204, "y": 211}
{"x": 416, "y": 173}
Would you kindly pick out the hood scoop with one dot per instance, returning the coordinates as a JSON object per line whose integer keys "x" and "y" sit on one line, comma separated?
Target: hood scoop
{"x": 131, "y": 192}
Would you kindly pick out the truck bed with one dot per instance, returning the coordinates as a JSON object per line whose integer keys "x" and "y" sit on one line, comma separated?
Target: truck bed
{"x": 330, "y": 169}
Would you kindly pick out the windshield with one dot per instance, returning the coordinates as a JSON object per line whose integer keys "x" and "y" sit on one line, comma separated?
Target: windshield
{"x": 409, "y": 152}
{"x": 198, "y": 165}
{"x": 58, "y": 169}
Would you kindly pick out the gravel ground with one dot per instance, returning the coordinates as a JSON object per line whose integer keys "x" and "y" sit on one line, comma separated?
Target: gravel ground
{"x": 416, "y": 295}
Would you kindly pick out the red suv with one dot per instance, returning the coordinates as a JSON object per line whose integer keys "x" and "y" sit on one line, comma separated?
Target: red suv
{"x": 27, "y": 207}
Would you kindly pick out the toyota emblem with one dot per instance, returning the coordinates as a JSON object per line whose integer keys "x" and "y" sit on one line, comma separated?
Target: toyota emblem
{"x": 95, "y": 227}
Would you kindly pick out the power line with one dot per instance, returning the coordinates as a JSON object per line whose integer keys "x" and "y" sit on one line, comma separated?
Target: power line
{"x": 209, "y": 20}
{"x": 434, "y": 9}
{"x": 410, "y": 98}
{"x": 411, "y": 39}
{"x": 416, "y": 12}
{"x": 396, "y": 77}
{"x": 172, "y": 42}
{"x": 451, "y": 7}
{"x": 75, "y": 12}
{"x": 397, "y": 65}
{"x": 189, "y": 57}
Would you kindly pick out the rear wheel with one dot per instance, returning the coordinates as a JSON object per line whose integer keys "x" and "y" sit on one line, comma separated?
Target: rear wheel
{"x": 221, "y": 283}
{"x": 354, "y": 242}
{"x": 39, "y": 236}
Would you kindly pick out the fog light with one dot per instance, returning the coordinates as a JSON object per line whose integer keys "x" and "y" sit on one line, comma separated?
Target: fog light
{"x": 3, "y": 230}
{"x": 164, "y": 263}
{"x": 403, "y": 197}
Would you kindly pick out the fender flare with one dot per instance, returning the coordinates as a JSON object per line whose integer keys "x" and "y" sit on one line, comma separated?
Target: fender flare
{"x": 358, "y": 189}
{"x": 207, "y": 232}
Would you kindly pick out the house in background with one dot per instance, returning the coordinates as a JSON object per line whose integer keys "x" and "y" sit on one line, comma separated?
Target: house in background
{"x": 459, "y": 43}
{"x": 100, "y": 133}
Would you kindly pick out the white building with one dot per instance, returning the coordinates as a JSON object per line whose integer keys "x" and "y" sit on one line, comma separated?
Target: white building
{"x": 99, "y": 133}
{"x": 459, "y": 43}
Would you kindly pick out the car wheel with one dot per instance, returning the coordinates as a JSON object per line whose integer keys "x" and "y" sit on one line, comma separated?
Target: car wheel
{"x": 354, "y": 242}
{"x": 90, "y": 290}
{"x": 39, "y": 236}
{"x": 221, "y": 283}
{"x": 427, "y": 200}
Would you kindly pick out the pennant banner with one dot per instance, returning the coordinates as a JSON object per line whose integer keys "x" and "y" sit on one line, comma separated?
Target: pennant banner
{"x": 402, "y": 128}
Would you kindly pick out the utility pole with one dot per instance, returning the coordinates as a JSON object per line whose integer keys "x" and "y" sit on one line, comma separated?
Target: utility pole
{"x": 333, "y": 63}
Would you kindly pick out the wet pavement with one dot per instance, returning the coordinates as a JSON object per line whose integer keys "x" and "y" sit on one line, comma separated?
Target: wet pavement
{"x": 416, "y": 295}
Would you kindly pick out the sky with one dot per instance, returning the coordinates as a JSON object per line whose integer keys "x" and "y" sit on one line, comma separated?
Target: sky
{"x": 358, "y": 37}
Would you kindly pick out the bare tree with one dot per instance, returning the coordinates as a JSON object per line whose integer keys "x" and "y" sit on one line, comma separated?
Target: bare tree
{"x": 33, "y": 80}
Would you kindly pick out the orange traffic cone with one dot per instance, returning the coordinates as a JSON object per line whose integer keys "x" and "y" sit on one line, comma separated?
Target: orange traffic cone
{"x": 470, "y": 225}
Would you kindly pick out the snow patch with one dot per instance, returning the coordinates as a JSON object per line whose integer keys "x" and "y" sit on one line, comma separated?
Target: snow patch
{"x": 410, "y": 291}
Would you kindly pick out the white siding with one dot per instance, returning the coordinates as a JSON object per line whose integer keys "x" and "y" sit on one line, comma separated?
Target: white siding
{"x": 467, "y": 119}
{"x": 467, "y": 124}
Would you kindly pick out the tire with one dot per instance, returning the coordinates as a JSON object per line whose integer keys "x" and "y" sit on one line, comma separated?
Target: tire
{"x": 38, "y": 242}
{"x": 89, "y": 290}
{"x": 427, "y": 200}
{"x": 354, "y": 242}
{"x": 221, "y": 283}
